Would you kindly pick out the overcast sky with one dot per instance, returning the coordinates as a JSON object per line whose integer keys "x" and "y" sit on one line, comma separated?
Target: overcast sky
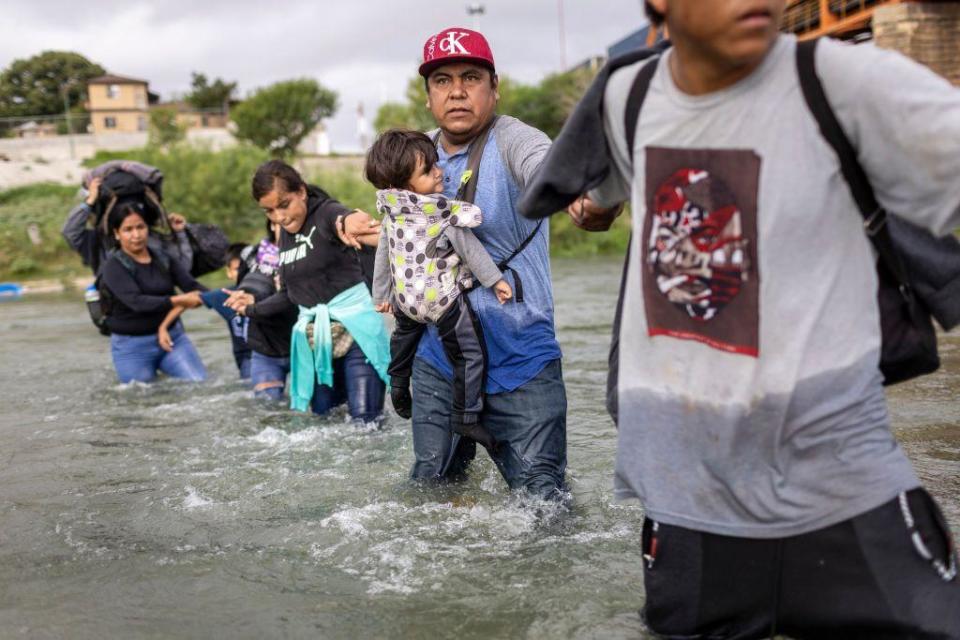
{"x": 366, "y": 50}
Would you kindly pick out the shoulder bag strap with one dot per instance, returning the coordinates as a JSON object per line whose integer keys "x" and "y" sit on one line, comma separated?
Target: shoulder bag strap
{"x": 874, "y": 216}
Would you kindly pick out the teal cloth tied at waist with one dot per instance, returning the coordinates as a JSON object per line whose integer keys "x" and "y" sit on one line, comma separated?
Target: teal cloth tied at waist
{"x": 352, "y": 308}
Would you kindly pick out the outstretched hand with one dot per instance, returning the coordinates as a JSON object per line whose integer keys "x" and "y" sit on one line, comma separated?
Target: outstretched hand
{"x": 238, "y": 300}
{"x": 589, "y": 216}
{"x": 358, "y": 228}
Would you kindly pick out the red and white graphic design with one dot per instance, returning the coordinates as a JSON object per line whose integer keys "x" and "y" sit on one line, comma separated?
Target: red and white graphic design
{"x": 700, "y": 280}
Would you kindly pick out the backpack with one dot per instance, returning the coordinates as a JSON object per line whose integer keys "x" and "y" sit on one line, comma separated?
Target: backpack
{"x": 125, "y": 181}
{"x": 210, "y": 245}
{"x": 908, "y": 338}
{"x": 100, "y": 300}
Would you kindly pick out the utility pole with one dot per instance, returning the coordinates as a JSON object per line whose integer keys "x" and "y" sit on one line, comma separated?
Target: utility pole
{"x": 563, "y": 37}
{"x": 66, "y": 113}
{"x": 475, "y": 10}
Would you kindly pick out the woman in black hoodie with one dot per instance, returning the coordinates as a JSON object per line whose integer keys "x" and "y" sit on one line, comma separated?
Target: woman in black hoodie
{"x": 316, "y": 266}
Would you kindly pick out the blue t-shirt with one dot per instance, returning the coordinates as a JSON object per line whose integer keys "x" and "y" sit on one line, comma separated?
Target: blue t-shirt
{"x": 520, "y": 337}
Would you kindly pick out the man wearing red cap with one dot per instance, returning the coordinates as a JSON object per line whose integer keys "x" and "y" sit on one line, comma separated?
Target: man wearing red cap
{"x": 526, "y": 404}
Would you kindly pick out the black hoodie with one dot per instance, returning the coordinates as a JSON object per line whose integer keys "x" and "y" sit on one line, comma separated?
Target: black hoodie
{"x": 314, "y": 265}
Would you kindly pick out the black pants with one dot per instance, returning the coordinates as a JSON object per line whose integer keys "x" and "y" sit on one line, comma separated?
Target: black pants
{"x": 872, "y": 577}
{"x": 462, "y": 340}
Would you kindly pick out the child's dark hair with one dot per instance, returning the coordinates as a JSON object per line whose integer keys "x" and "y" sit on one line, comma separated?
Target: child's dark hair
{"x": 269, "y": 173}
{"x": 656, "y": 18}
{"x": 392, "y": 159}
{"x": 234, "y": 251}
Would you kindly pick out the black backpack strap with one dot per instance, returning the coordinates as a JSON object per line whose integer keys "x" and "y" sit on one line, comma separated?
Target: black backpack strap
{"x": 638, "y": 93}
{"x": 874, "y": 215}
{"x": 504, "y": 265}
{"x": 631, "y": 117}
{"x": 468, "y": 192}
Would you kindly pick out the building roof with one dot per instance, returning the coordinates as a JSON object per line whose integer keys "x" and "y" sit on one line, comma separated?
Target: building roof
{"x": 111, "y": 78}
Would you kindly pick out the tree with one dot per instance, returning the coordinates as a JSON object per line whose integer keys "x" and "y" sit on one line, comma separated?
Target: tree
{"x": 164, "y": 128}
{"x": 34, "y": 86}
{"x": 545, "y": 106}
{"x": 278, "y": 117}
{"x": 413, "y": 114}
{"x": 204, "y": 95}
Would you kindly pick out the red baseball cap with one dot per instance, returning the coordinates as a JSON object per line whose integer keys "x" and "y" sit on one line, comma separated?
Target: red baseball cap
{"x": 455, "y": 44}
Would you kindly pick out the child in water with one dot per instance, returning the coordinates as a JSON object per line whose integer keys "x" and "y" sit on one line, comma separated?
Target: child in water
{"x": 426, "y": 259}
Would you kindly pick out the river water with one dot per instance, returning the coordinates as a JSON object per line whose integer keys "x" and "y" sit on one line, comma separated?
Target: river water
{"x": 192, "y": 511}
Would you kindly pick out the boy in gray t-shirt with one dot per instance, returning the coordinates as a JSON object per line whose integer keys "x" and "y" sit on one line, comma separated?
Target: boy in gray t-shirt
{"x": 752, "y": 420}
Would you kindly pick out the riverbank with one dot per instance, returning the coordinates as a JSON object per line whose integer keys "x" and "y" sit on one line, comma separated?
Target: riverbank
{"x": 213, "y": 187}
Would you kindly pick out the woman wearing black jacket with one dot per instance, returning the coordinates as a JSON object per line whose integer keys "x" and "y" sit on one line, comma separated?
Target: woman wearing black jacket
{"x": 318, "y": 271}
{"x": 140, "y": 283}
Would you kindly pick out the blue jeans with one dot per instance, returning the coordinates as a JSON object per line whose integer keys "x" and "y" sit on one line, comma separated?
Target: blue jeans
{"x": 137, "y": 358}
{"x": 355, "y": 382}
{"x": 530, "y": 423}
{"x": 267, "y": 370}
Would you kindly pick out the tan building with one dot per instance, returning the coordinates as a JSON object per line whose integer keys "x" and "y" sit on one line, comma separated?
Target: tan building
{"x": 192, "y": 118}
{"x": 118, "y": 104}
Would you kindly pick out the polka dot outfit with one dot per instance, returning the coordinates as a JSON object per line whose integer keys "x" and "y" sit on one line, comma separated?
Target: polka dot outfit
{"x": 427, "y": 273}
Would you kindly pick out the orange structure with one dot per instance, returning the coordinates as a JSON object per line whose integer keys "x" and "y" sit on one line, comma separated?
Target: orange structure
{"x": 838, "y": 18}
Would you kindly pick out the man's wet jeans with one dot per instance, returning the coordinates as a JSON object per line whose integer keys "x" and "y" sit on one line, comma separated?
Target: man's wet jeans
{"x": 529, "y": 424}
{"x": 138, "y": 358}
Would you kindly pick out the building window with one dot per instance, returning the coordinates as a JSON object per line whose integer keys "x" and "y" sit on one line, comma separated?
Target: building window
{"x": 110, "y": 122}
{"x": 141, "y": 123}
{"x": 113, "y": 91}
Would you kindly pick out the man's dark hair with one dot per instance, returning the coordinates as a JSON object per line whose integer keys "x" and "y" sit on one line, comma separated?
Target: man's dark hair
{"x": 234, "y": 251}
{"x": 392, "y": 159}
{"x": 270, "y": 173}
{"x": 656, "y": 18}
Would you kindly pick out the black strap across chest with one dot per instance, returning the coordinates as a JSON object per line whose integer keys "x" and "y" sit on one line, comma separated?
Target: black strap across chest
{"x": 468, "y": 192}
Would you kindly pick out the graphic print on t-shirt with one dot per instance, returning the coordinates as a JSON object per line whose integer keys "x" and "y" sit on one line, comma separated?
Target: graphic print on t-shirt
{"x": 700, "y": 279}
{"x": 298, "y": 251}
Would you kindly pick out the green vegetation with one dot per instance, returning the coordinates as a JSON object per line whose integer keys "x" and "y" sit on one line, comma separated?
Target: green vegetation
{"x": 545, "y": 106}
{"x": 277, "y": 118}
{"x": 209, "y": 95}
{"x": 164, "y": 128}
{"x": 207, "y": 186}
{"x": 45, "y": 205}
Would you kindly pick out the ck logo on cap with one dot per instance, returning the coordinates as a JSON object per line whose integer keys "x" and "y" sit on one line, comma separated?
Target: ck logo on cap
{"x": 451, "y": 43}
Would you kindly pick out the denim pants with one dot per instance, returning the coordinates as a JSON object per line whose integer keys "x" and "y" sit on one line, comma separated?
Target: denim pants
{"x": 138, "y": 358}
{"x": 269, "y": 369}
{"x": 530, "y": 423}
{"x": 355, "y": 382}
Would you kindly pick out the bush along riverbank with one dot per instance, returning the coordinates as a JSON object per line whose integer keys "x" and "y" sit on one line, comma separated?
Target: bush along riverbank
{"x": 206, "y": 186}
